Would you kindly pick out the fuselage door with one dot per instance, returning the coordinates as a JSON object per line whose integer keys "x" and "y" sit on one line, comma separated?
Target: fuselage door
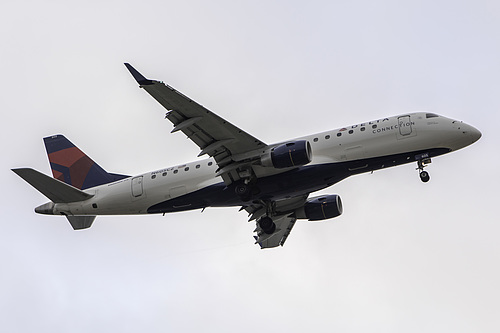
{"x": 137, "y": 186}
{"x": 404, "y": 125}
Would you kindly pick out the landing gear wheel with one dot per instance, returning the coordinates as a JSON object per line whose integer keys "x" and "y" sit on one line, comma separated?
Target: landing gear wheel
{"x": 267, "y": 225}
{"x": 421, "y": 164}
{"x": 424, "y": 176}
{"x": 243, "y": 191}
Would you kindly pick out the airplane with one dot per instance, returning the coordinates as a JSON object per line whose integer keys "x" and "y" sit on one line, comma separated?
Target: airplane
{"x": 271, "y": 182}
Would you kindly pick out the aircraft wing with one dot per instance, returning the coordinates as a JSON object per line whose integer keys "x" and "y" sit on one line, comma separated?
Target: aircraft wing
{"x": 215, "y": 136}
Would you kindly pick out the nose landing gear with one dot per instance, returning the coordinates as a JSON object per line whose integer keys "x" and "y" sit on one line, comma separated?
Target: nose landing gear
{"x": 424, "y": 175}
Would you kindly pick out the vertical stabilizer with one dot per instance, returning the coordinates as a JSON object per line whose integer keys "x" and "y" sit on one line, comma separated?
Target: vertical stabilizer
{"x": 72, "y": 166}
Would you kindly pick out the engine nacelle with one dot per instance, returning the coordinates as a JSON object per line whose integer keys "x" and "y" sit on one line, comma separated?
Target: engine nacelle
{"x": 321, "y": 208}
{"x": 290, "y": 154}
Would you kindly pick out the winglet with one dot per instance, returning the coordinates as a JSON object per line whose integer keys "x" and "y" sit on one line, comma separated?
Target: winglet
{"x": 138, "y": 76}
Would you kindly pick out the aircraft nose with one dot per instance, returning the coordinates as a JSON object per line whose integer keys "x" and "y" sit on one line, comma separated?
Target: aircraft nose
{"x": 473, "y": 133}
{"x": 465, "y": 134}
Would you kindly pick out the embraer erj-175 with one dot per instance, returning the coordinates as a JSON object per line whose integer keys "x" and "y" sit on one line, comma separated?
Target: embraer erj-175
{"x": 272, "y": 182}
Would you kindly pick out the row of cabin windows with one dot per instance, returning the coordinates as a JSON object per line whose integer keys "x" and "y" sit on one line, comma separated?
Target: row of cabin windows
{"x": 362, "y": 129}
{"x": 177, "y": 170}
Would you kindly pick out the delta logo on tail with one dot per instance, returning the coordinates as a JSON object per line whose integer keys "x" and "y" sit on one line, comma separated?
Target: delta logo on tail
{"x": 70, "y": 165}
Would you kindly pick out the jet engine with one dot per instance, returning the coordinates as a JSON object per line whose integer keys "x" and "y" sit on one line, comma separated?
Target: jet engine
{"x": 321, "y": 208}
{"x": 290, "y": 154}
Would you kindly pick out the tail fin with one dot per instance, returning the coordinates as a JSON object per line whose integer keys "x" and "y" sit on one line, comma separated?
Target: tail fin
{"x": 70, "y": 165}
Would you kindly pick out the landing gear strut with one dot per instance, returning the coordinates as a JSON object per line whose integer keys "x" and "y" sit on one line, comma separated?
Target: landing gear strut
{"x": 424, "y": 175}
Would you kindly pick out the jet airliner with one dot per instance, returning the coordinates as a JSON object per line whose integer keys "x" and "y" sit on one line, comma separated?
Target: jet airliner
{"x": 273, "y": 183}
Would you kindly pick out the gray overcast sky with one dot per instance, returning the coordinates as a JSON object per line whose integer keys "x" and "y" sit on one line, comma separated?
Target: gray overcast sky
{"x": 405, "y": 256}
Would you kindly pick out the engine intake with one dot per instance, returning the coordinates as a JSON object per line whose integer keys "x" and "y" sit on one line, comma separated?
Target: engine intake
{"x": 321, "y": 208}
{"x": 290, "y": 154}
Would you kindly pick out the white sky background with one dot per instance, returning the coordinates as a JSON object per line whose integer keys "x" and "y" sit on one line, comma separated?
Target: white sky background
{"x": 404, "y": 256}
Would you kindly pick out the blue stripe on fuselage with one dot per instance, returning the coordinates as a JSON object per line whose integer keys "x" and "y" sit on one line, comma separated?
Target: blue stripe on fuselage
{"x": 300, "y": 181}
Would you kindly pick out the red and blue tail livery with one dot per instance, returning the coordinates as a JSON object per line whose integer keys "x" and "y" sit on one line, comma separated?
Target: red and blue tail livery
{"x": 72, "y": 166}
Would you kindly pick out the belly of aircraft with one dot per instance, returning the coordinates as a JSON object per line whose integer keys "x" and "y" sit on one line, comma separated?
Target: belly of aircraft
{"x": 297, "y": 182}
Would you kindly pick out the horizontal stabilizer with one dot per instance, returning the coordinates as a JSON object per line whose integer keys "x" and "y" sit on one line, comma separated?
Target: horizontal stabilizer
{"x": 80, "y": 222}
{"x": 54, "y": 189}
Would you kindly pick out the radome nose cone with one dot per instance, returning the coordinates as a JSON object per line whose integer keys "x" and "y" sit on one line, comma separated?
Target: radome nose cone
{"x": 475, "y": 133}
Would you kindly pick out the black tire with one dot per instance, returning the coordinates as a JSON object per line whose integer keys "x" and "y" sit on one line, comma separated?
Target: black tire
{"x": 267, "y": 225}
{"x": 424, "y": 176}
{"x": 243, "y": 191}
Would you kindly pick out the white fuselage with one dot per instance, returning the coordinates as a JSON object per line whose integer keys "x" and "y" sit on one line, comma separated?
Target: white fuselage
{"x": 415, "y": 132}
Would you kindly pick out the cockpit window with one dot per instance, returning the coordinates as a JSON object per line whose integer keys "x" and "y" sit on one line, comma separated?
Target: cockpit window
{"x": 431, "y": 115}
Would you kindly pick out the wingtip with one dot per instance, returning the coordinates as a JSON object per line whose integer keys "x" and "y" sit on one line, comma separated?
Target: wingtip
{"x": 18, "y": 171}
{"x": 137, "y": 76}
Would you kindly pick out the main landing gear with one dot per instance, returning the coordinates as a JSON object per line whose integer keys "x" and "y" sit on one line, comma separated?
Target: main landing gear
{"x": 424, "y": 175}
{"x": 245, "y": 188}
{"x": 267, "y": 225}
{"x": 266, "y": 222}
{"x": 244, "y": 191}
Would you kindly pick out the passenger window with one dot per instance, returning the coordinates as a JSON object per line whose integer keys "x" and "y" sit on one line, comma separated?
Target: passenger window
{"x": 362, "y": 129}
{"x": 315, "y": 140}
{"x": 175, "y": 171}
{"x": 210, "y": 163}
{"x": 186, "y": 169}
{"x": 374, "y": 126}
{"x": 164, "y": 174}
{"x": 197, "y": 166}
{"x": 339, "y": 133}
{"x": 351, "y": 131}
{"x": 153, "y": 176}
{"x": 327, "y": 137}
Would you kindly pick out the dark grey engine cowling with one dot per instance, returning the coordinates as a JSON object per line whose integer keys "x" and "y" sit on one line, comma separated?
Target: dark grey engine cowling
{"x": 321, "y": 208}
{"x": 290, "y": 154}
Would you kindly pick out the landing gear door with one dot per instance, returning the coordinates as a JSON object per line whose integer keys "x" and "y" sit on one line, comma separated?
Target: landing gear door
{"x": 137, "y": 187}
{"x": 405, "y": 127}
